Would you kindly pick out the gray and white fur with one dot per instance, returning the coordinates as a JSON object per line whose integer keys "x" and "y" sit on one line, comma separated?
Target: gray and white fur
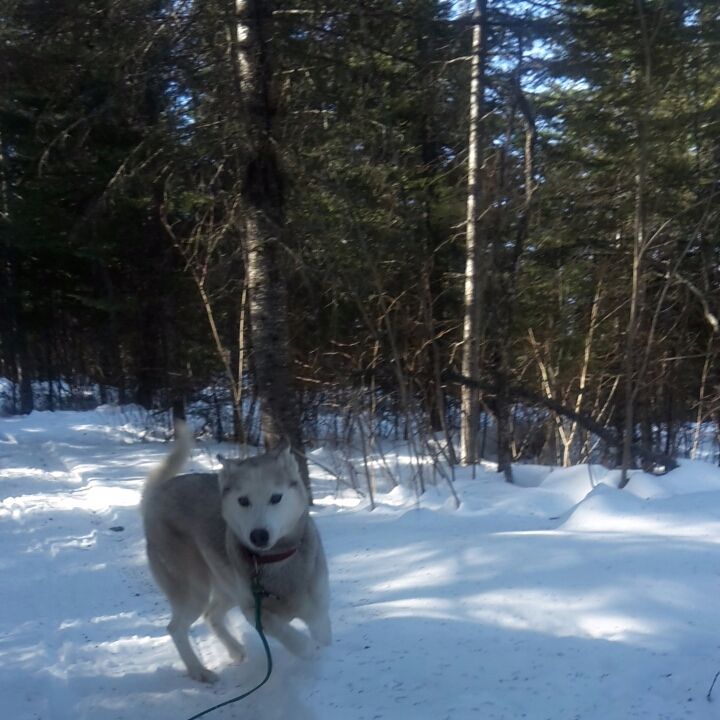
{"x": 204, "y": 532}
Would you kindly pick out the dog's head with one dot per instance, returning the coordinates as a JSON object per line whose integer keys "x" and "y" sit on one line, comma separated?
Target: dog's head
{"x": 263, "y": 497}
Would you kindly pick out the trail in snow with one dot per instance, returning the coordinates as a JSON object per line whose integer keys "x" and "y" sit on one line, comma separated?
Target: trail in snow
{"x": 559, "y": 598}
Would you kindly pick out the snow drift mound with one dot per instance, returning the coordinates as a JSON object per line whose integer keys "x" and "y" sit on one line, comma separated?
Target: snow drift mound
{"x": 682, "y": 503}
{"x": 574, "y": 483}
{"x": 693, "y": 476}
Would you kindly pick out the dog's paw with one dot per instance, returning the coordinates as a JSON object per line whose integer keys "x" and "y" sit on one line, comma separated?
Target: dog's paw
{"x": 321, "y": 633}
{"x": 204, "y": 675}
{"x": 320, "y": 638}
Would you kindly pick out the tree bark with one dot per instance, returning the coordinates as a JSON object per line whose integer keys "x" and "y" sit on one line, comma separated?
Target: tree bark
{"x": 263, "y": 195}
{"x": 639, "y": 241}
{"x": 475, "y": 243}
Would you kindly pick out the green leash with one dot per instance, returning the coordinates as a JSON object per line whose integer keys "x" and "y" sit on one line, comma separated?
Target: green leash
{"x": 258, "y": 593}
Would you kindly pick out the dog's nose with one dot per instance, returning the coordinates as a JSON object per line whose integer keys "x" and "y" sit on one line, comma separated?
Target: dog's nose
{"x": 259, "y": 537}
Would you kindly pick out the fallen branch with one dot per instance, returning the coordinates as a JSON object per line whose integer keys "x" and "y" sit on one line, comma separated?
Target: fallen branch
{"x": 340, "y": 480}
{"x": 521, "y": 393}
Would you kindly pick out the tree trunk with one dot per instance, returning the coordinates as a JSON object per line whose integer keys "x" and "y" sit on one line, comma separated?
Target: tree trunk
{"x": 475, "y": 243}
{"x": 13, "y": 341}
{"x": 509, "y": 286}
{"x": 639, "y": 240}
{"x": 700, "y": 416}
{"x": 263, "y": 196}
{"x": 27, "y": 402}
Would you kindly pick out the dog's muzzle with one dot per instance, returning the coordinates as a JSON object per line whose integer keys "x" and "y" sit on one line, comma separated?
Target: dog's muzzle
{"x": 260, "y": 537}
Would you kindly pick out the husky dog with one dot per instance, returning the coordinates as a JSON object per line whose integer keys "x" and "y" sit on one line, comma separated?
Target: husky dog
{"x": 210, "y": 536}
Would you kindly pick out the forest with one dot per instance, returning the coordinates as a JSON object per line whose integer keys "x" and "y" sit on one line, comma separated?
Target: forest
{"x": 490, "y": 224}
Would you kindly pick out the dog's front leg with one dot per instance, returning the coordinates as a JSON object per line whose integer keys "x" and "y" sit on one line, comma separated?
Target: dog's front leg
{"x": 315, "y": 610}
{"x": 319, "y": 626}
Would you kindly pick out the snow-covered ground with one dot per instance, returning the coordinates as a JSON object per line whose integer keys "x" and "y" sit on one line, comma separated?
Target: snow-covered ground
{"x": 558, "y": 598}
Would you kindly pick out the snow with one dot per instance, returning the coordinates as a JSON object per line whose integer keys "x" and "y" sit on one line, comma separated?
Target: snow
{"x": 561, "y": 597}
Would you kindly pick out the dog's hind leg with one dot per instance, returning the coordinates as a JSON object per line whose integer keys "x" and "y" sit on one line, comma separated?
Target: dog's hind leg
{"x": 186, "y": 583}
{"x": 179, "y": 628}
{"x": 216, "y": 615}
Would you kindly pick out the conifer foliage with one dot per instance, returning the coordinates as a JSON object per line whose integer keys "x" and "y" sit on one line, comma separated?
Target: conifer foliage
{"x": 270, "y": 199}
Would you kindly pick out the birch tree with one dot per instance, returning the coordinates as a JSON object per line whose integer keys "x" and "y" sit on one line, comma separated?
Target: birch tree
{"x": 474, "y": 242}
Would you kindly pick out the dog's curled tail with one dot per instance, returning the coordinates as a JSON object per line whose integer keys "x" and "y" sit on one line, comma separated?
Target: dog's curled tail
{"x": 175, "y": 460}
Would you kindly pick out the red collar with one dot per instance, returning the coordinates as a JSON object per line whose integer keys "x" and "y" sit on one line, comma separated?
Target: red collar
{"x": 269, "y": 558}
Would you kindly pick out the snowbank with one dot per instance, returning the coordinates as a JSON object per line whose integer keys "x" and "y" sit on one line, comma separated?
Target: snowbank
{"x": 558, "y": 597}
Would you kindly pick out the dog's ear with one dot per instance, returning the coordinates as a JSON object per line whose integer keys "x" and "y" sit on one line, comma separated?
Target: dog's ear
{"x": 223, "y": 478}
{"x": 287, "y": 456}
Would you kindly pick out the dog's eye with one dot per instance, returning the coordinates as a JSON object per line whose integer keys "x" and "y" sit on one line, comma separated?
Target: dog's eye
{"x": 244, "y": 501}
{"x": 275, "y": 499}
